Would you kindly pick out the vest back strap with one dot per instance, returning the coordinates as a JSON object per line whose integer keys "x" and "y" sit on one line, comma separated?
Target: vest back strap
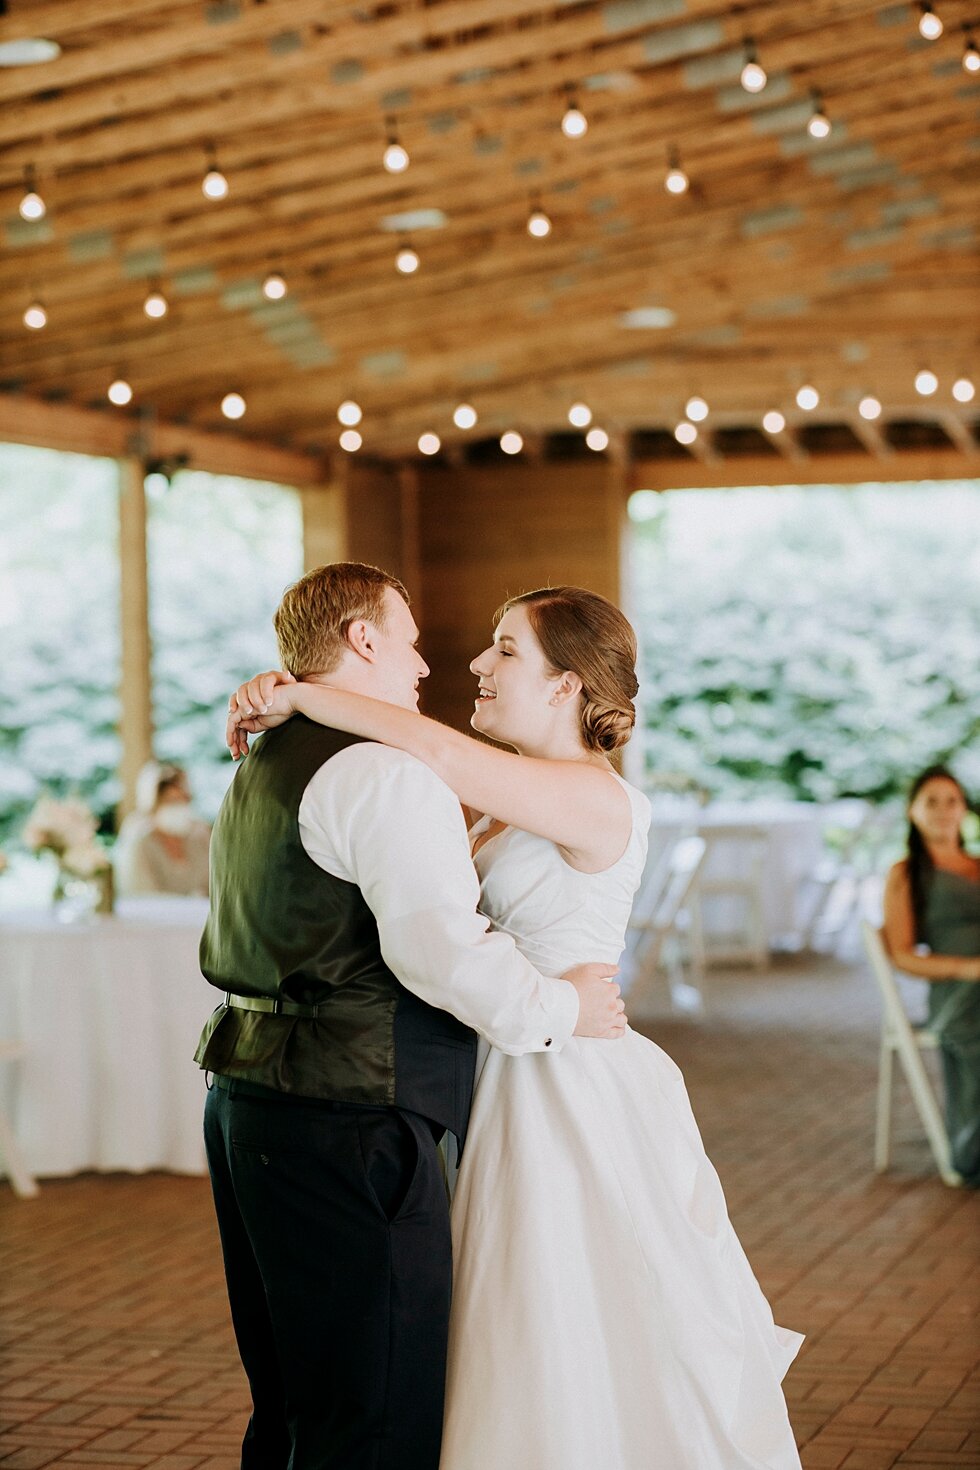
{"x": 276, "y": 1006}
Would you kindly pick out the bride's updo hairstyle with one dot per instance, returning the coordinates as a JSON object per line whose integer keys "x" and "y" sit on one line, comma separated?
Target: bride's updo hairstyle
{"x": 585, "y": 634}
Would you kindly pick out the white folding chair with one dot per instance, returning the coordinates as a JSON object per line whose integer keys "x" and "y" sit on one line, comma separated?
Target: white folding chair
{"x": 11, "y": 1160}
{"x": 733, "y": 873}
{"x": 671, "y": 919}
{"x": 900, "y": 1038}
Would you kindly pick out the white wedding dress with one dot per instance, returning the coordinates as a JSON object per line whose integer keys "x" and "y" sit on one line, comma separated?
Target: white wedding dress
{"x": 604, "y": 1314}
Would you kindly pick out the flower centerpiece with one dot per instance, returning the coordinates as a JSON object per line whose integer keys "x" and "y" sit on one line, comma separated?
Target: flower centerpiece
{"x": 67, "y": 829}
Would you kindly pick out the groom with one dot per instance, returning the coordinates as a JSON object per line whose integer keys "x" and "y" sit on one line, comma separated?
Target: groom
{"x": 343, "y": 931}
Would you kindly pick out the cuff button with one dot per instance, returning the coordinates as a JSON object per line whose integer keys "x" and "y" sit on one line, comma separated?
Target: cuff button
{"x": 547, "y": 1041}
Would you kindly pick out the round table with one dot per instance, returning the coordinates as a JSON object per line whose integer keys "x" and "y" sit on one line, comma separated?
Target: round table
{"x": 108, "y": 1011}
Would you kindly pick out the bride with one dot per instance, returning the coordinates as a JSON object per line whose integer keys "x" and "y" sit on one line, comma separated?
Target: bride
{"x": 589, "y": 1227}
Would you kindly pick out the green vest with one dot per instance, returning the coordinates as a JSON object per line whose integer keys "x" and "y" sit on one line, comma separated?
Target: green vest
{"x": 279, "y": 926}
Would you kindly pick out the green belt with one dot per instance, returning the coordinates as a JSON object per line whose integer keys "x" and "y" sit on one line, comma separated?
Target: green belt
{"x": 275, "y": 1007}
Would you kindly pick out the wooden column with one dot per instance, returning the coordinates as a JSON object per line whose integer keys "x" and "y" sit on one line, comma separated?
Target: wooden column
{"x": 326, "y": 533}
{"x": 136, "y": 699}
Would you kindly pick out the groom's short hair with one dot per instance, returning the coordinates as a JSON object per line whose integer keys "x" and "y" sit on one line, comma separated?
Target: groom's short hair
{"x": 312, "y": 620}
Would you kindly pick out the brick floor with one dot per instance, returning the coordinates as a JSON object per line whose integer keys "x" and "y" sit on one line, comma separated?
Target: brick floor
{"x": 116, "y": 1348}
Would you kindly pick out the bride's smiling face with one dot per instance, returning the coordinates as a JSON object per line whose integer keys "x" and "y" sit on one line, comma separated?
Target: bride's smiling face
{"x": 517, "y": 687}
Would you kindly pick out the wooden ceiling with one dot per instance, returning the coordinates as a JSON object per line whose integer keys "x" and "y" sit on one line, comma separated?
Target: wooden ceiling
{"x": 850, "y": 262}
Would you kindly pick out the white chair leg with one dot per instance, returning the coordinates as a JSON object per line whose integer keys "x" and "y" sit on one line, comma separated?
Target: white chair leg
{"x": 23, "y": 1182}
{"x": 928, "y": 1110}
{"x": 883, "y": 1122}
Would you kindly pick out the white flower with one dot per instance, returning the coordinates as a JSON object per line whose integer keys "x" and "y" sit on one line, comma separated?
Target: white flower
{"x": 86, "y": 860}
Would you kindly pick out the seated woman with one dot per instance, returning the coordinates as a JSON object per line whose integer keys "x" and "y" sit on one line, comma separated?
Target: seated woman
{"x": 932, "y": 929}
{"x": 163, "y": 846}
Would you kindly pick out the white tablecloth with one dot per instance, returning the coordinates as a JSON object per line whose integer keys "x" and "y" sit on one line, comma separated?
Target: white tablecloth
{"x": 794, "y": 831}
{"x": 108, "y": 1011}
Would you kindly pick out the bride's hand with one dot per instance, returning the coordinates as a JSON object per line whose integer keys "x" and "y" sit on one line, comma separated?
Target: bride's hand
{"x": 262, "y": 703}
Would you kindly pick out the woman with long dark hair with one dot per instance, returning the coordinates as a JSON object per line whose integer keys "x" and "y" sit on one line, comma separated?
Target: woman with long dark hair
{"x": 932, "y": 928}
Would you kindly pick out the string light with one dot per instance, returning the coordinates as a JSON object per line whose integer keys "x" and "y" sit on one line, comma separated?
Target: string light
{"x": 155, "y": 304}
{"x": 274, "y": 286}
{"x": 233, "y": 405}
{"x": 753, "y": 77}
{"x": 597, "y": 439}
{"x": 349, "y": 412}
{"x": 538, "y": 224}
{"x": 930, "y": 25}
{"x": 511, "y": 442}
{"x": 119, "y": 392}
{"x": 685, "y": 433}
{"x": 430, "y": 443}
{"x": 869, "y": 408}
{"x": 963, "y": 390}
{"x": 677, "y": 181}
{"x": 351, "y": 440}
{"x": 395, "y": 157}
{"x": 926, "y": 383}
{"x": 807, "y": 397}
{"x": 696, "y": 409}
{"x": 32, "y": 207}
{"x": 971, "y": 56}
{"x": 819, "y": 125}
{"x": 464, "y": 416}
{"x": 407, "y": 261}
{"x": 35, "y": 316}
{"x": 773, "y": 422}
{"x": 214, "y": 184}
{"x": 574, "y": 124}
{"x": 580, "y": 414}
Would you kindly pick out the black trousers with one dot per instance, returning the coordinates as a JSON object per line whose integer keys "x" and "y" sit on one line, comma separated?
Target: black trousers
{"x": 334, "y": 1228}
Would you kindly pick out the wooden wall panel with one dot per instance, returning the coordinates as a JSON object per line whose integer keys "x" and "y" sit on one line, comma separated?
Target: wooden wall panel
{"x": 486, "y": 534}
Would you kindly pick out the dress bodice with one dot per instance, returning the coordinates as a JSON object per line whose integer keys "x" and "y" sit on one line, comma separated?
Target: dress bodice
{"x": 952, "y": 916}
{"x": 557, "y": 916}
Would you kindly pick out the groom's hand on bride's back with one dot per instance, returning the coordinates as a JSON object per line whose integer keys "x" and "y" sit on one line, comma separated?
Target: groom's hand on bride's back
{"x": 601, "y": 1012}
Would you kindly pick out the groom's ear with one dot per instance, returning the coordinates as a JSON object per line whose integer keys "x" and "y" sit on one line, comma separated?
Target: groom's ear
{"x": 362, "y": 639}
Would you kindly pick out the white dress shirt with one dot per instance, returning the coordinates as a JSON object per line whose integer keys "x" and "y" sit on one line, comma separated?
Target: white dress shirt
{"x": 379, "y": 818}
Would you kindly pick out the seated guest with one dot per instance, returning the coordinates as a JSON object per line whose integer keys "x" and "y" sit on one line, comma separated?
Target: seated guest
{"x": 162, "y": 846}
{"x": 932, "y": 929}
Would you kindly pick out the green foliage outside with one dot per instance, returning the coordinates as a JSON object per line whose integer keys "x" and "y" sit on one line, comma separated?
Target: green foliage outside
{"x": 811, "y": 642}
{"x": 221, "y": 551}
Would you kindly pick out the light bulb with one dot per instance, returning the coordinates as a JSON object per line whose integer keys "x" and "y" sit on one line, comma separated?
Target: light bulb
{"x": 580, "y": 414}
{"x": 274, "y": 286}
{"x": 538, "y": 224}
{"x": 214, "y": 185}
{"x": 574, "y": 124}
{"x": 351, "y": 440}
{"x": 511, "y": 442}
{"x": 35, "y": 316}
{"x": 819, "y": 125}
{"x": 120, "y": 393}
{"x": 753, "y": 77}
{"x": 930, "y": 26}
{"x": 807, "y": 397}
{"x": 155, "y": 305}
{"x": 685, "y": 433}
{"x": 773, "y": 422}
{"x": 696, "y": 409}
{"x": 233, "y": 405}
{"x": 464, "y": 417}
{"x": 396, "y": 158}
{"x": 677, "y": 181}
{"x": 597, "y": 439}
{"x": 350, "y": 412}
{"x": 963, "y": 390}
{"x": 926, "y": 383}
{"x": 430, "y": 443}
{"x": 869, "y": 408}
{"x": 971, "y": 56}
{"x": 407, "y": 261}
{"x": 32, "y": 206}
